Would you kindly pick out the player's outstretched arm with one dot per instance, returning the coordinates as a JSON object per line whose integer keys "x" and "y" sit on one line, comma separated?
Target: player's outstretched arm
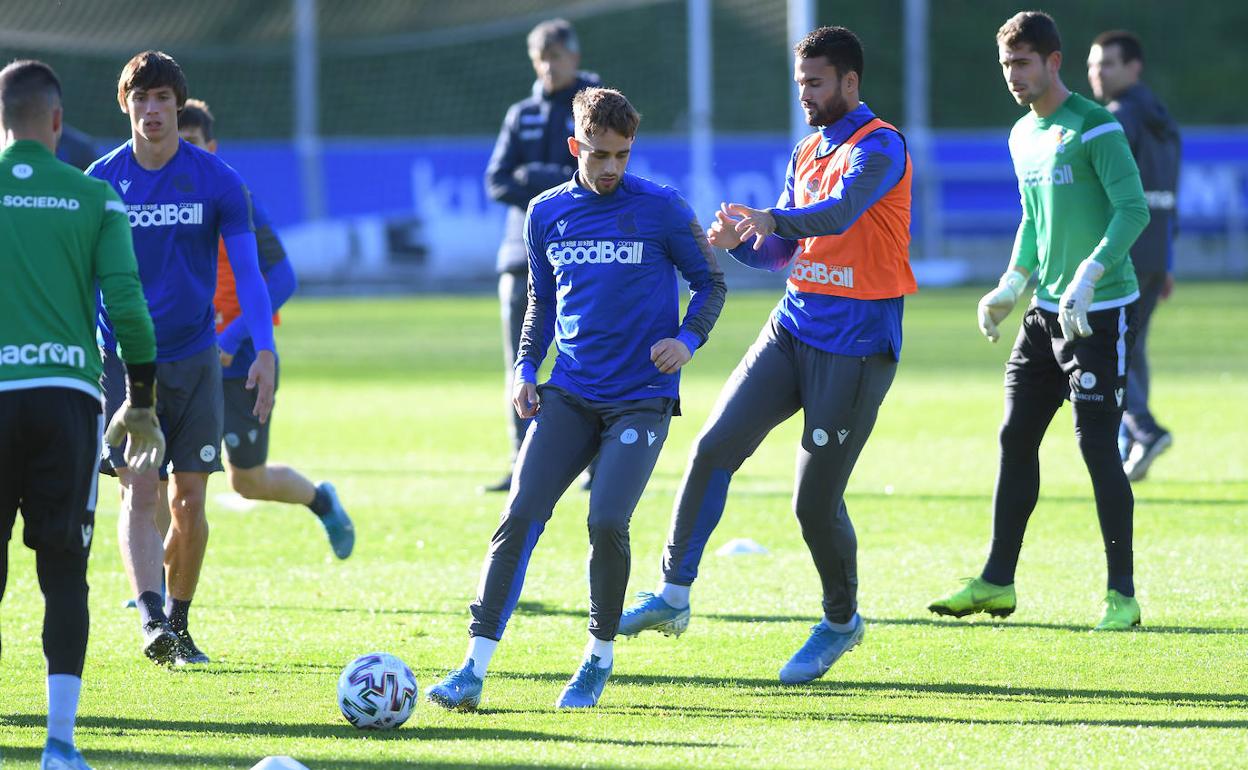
{"x": 770, "y": 252}
{"x": 253, "y": 298}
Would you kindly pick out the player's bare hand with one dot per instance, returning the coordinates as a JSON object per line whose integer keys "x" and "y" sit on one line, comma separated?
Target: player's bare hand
{"x": 722, "y": 234}
{"x": 262, "y": 378}
{"x": 1167, "y": 288}
{"x": 526, "y": 399}
{"x": 669, "y": 355}
{"x": 226, "y": 358}
{"x": 752, "y": 223}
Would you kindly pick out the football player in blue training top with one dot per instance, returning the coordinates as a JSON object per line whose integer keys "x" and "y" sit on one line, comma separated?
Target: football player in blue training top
{"x": 179, "y": 199}
{"x": 246, "y": 437}
{"x": 604, "y": 249}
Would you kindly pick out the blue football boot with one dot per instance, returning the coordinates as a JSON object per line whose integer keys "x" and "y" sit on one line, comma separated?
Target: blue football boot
{"x": 821, "y": 650}
{"x": 337, "y": 524}
{"x": 459, "y": 691}
{"x": 59, "y": 755}
{"x": 585, "y": 687}
{"x": 653, "y": 613}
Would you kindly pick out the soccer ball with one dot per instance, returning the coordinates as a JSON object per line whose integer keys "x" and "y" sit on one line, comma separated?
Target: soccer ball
{"x": 377, "y": 691}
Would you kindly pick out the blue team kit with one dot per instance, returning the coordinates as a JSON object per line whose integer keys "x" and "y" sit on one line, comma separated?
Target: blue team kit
{"x": 176, "y": 214}
{"x": 608, "y": 263}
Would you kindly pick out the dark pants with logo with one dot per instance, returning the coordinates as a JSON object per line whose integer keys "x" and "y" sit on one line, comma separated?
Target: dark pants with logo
{"x": 49, "y": 444}
{"x": 566, "y": 434}
{"x": 1045, "y": 370}
{"x": 1138, "y": 420}
{"x": 840, "y": 397}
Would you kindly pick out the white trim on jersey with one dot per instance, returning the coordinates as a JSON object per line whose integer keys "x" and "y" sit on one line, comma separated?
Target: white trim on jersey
{"x": 1105, "y": 304}
{"x": 1104, "y": 128}
{"x": 72, "y": 383}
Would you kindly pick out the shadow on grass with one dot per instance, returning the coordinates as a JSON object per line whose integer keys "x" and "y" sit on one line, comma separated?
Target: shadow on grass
{"x": 466, "y": 732}
{"x": 773, "y": 688}
{"x": 539, "y": 608}
{"x": 984, "y": 500}
{"x": 29, "y": 757}
{"x": 713, "y": 712}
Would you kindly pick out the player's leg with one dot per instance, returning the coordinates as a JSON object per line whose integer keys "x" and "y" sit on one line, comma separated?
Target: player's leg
{"x": 842, "y": 397}
{"x": 61, "y": 441}
{"x": 143, "y": 556}
{"x": 513, "y": 298}
{"x": 193, "y": 416}
{"x": 560, "y": 444}
{"x": 12, "y": 478}
{"x": 1097, "y": 368}
{"x": 1034, "y": 390}
{"x": 761, "y": 393}
{"x": 251, "y": 474}
{"x": 633, "y": 435}
{"x": 1148, "y": 439}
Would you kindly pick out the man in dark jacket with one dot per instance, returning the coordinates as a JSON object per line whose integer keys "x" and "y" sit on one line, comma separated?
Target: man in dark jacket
{"x": 531, "y": 156}
{"x": 1114, "y": 66}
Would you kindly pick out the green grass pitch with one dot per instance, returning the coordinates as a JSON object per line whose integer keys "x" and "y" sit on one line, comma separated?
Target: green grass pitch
{"x": 399, "y": 402}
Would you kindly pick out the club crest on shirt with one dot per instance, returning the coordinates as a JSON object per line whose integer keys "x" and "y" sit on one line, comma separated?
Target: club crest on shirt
{"x": 1064, "y": 137}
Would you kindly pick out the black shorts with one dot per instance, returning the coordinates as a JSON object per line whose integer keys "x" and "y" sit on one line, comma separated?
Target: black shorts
{"x": 1091, "y": 372}
{"x": 49, "y": 440}
{"x": 246, "y": 438}
{"x": 190, "y": 407}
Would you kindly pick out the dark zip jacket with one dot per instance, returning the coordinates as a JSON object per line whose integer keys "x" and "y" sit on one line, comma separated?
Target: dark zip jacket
{"x": 1154, "y": 139}
{"x": 531, "y": 156}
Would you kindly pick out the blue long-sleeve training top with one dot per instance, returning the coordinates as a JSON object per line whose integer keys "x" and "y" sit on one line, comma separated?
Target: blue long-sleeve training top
{"x": 176, "y": 214}
{"x": 602, "y": 284}
{"x": 279, "y": 276}
{"x": 843, "y": 325}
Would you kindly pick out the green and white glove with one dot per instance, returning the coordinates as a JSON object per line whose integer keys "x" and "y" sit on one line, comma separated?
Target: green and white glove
{"x": 146, "y": 445}
{"x": 1075, "y": 301}
{"x": 997, "y": 304}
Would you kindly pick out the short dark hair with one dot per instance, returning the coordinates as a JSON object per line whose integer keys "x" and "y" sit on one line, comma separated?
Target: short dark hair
{"x": 29, "y": 90}
{"x": 598, "y": 109}
{"x": 1032, "y": 28}
{"x": 195, "y": 114}
{"x": 553, "y": 32}
{"x": 1128, "y": 43}
{"x": 148, "y": 70}
{"x": 839, "y": 45}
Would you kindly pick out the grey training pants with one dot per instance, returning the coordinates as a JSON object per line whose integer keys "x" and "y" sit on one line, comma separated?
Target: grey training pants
{"x": 840, "y": 397}
{"x": 566, "y": 434}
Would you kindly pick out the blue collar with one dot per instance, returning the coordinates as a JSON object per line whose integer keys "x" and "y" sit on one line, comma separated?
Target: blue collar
{"x": 834, "y": 135}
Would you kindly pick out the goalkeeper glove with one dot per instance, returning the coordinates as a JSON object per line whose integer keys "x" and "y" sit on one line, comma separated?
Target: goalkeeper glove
{"x": 997, "y": 304}
{"x": 1075, "y": 301}
{"x": 146, "y": 445}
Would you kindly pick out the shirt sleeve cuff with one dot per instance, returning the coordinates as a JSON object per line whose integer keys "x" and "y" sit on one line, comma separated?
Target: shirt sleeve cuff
{"x": 690, "y": 339}
{"x": 526, "y": 372}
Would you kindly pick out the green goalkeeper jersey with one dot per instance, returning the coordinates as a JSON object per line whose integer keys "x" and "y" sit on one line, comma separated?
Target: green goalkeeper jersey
{"x": 63, "y": 234}
{"x": 1081, "y": 196}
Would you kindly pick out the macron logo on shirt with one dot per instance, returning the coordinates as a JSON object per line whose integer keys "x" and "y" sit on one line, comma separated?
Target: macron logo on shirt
{"x": 595, "y": 252}
{"x": 165, "y": 214}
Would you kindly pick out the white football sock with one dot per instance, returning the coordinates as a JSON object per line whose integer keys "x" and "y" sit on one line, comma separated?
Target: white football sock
{"x": 63, "y": 690}
{"x": 675, "y": 596}
{"x": 604, "y": 650}
{"x": 842, "y": 628}
{"x": 480, "y": 650}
